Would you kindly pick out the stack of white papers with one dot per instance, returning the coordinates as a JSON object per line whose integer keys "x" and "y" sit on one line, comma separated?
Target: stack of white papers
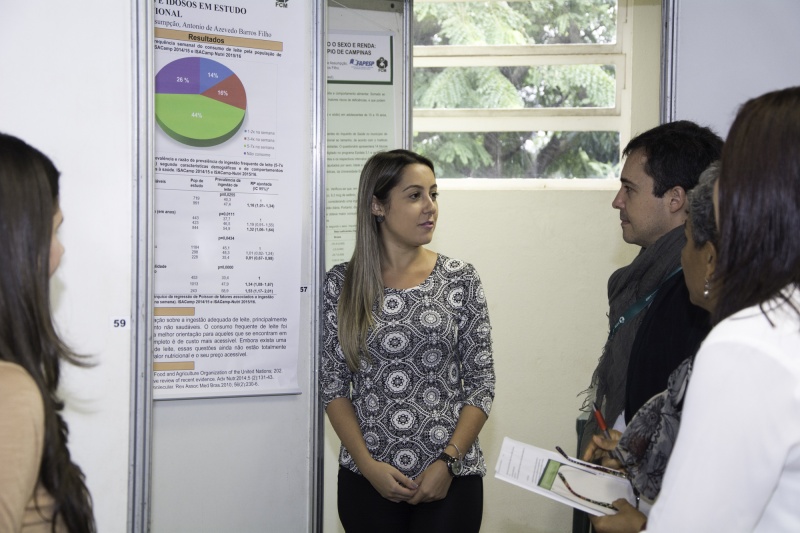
{"x": 581, "y": 485}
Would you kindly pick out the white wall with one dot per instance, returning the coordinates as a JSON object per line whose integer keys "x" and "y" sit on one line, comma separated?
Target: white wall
{"x": 67, "y": 90}
{"x": 544, "y": 257}
{"x": 731, "y": 50}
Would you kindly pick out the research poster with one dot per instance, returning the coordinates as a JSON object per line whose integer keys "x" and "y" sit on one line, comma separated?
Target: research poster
{"x": 229, "y": 151}
{"x": 361, "y": 121}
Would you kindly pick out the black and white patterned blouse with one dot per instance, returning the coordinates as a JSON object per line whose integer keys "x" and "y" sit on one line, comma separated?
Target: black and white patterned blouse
{"x": 648, "y": 440}
{"x": 431, "y": 354}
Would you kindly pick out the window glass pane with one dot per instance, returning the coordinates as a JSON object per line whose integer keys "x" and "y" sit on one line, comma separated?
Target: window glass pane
{"x": 515, "y": 87}
{"x": 520, "y": 23}
{"x": 538, "y": 154}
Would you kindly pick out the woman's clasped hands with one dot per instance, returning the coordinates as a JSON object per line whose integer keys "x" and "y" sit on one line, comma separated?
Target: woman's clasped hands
{"x": 431, "y": 485}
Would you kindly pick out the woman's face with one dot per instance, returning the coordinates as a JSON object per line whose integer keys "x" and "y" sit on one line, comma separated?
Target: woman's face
{"x": 56, "y": 248}
{"x": 410, "y": 210}
{"x": 698, "y": 266}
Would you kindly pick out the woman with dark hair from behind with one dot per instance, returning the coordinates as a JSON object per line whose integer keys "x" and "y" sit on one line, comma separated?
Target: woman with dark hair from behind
{"x": 736, "y": 462}
{"x": 41, "y": 489}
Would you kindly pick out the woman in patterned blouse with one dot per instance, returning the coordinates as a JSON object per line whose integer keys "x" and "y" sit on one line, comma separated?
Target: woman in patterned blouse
{"x": 407, "y": 376}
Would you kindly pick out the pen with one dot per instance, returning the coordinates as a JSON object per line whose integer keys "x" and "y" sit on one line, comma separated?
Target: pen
{"x": 601, "y": 422}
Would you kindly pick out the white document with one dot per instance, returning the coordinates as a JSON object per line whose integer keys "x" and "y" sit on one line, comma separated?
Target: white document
{"x": 572, "y": 482}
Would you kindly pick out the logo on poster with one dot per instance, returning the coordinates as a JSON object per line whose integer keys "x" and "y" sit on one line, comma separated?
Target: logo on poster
{"x": 282, "y": 3}
{"x": 361, "y": 65}
{"x": 382, "y": 64}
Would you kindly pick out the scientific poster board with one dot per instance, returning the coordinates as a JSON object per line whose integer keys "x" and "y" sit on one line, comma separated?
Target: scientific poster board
{"x": 241, "y": 459}
{"x": 366, "y": 95}
{"x": 228, "y": 186}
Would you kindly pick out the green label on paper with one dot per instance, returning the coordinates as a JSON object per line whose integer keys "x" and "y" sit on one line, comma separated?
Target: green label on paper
{"x": 549, "y": 474}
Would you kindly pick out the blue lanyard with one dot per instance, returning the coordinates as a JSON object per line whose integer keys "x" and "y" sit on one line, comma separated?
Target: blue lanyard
{"x": 638, "y": 306}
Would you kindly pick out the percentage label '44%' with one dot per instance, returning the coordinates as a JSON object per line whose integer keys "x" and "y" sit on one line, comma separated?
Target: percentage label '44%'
{"x": 197, "y": 115}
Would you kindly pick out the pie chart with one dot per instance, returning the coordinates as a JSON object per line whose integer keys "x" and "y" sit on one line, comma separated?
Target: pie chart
{"x": 199, "y": 102}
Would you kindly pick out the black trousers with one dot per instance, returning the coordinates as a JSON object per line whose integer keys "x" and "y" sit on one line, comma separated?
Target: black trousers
{"x": 363, "y": 510}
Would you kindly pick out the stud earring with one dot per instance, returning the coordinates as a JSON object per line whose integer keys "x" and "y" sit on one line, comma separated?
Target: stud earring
{"x": 379, "y": 219}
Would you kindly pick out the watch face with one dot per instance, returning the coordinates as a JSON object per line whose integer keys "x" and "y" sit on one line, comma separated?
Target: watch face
{"x": 454, "y": 465}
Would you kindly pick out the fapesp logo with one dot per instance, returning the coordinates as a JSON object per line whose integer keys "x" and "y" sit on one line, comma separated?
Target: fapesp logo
{"x": 361, "y": 64}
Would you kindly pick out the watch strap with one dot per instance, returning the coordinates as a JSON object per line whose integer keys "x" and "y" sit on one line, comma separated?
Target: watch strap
{"x": 448, "y": 460}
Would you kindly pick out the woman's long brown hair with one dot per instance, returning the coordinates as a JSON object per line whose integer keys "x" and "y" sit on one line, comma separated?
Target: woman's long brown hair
{"x": 362, "y": 289}
{"x": 759, "y": 204}
{"x": 28, "y": 202}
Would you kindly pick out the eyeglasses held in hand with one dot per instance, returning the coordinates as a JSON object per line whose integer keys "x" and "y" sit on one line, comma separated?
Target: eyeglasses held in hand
{"x": 584, "y": 498}
{"x": 604, "y": 469}
{"x": 599, "y": 468}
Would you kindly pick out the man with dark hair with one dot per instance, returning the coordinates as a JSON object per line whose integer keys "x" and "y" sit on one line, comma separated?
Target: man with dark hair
{"x": 653, "y": 325}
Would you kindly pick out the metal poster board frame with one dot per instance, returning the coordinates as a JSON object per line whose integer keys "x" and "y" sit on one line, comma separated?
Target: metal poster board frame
{"x": 228, "y": 461}
{"x": 368, "y": 103}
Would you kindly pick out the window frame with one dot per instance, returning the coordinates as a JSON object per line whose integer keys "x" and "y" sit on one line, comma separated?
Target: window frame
{"x": 617, "y": 118}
